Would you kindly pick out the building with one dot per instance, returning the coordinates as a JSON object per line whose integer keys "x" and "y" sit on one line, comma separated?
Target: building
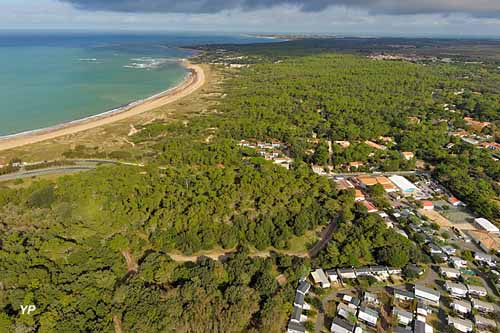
{"x": 427, "y": 205}
{"x": 457, "y": 262}
{"x": 434, "y": 249}
{"x": 449, "y": 273}
{"x": 359, "y": 196}
{"x": 339, "y": 325}
{"x": 347, "y": 273}
{"x": 485, "y": 258}
{"x": 485, "y": 240}
{"x": 403, "y": 295}
{"x": 299, "y": 300}
{"x": 294, "y": 327}
{"x": 483, "y": 306}
{"x": 408, "y": 155}
{"x": 404, "y": 185}
{"x": 394, "y": 271}
{"x": 370, "y": 207}
{"x": 371, "y": 298}
{"x": 304, "y": 287}
{"x": 449, "y": 250}
{"x": 402, "y": 316}
{"x": 427, "y": 295}
{"x": 297, "y": 315}
{"x": 422, "y": 327}
{"x": 455, "y": 202}
{"x": 345, "y": 311}
{"x": 343, "y": 184}
{"x": 462, "y": 325}
{"x": 375, "y": 145}
{"x": 484, "y": 323}
{"x": 460, "y": 306}
{"x": 355, "y": 165}
{"x": 351, "y": 301}
{"x": 399, "y": 329}
{"x": 363, "y": 271}
{"x": 414, "y": 269}
{"x": 470, "y": 141}
{"x": 486, "y": 225}
{"x": 332, "y": 275}
{"x": 456, "y": 289}
{"x": 479, "y": 125}
{"x": 491, "y": 145}
{"x": 476, "y": 290}
{"x": 368, "y": 315}
{"x": 380, "y": 271}
{"x": 283, "y": 161}
{"x": 423, "y": 309}
{"x": 343, "y": 144}
{"x": 319, "y": 277}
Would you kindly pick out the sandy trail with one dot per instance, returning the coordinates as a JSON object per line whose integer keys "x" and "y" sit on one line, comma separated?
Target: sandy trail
{"x": 192, "y": 83}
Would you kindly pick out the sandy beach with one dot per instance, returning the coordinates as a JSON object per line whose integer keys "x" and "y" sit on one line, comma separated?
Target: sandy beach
{"x": 193, "y": 82}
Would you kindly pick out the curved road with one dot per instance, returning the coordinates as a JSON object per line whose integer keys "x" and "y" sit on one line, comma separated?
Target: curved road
{"x": 79, "y": 166}
{"x": 45, "y": 172}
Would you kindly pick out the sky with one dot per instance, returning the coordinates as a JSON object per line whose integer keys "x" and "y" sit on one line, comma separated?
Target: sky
{"x": 350, "y": 17}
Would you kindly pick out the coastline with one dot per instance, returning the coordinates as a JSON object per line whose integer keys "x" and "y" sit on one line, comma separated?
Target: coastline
{"x": 192, "y": 82}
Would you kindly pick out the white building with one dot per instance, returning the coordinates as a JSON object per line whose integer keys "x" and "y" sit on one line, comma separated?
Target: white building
{"x": 339, "y": 325}
{"x": 368, "y": 315}
{"x": 449, "y": 273}
{"x": 456, "y": 289}
{"x": 345, "y": 311}
{"x": 483, "y": 306}
{"x": 427, "y": 295}
{"x": 371, "y": 298}
{"x": 484, "y": 323}
{"x": 332, "y": 275}
{"x": 404, "y": 185}
{"x": 422, "y": 327}
{"x": 483, "y": 257}
{"x": 449, "y": 250}
{"x": 458, "y": 262}
{"x": 460, "y": 306}
{"x": 294, "y": 327}
{"x": 403, "y": 317}
{"x": 347, "y": 273}
{"x": 319, "y": 277}
{"x": 486, "y": 225}
{"x": 477, "y": 290}
{"x": 403, "y": 295}
{"x": 462, "y": 325}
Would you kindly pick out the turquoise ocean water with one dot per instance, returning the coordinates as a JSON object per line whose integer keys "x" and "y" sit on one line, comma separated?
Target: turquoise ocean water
{"x": 50, "y": 78}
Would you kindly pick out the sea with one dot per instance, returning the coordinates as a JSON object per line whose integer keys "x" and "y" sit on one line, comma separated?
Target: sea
{"x": 51, "y": 78}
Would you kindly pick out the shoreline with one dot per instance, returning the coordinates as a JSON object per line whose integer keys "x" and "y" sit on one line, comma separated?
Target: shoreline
{"x": 194, "y": 79}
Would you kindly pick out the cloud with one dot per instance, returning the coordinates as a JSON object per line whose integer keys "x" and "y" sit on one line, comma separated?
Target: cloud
{"x": 479, "y": 8}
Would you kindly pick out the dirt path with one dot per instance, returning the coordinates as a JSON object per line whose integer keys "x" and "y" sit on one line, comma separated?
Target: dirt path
{"x": 132, "y": 266}
{"x": 222, "y": 254}
{"x": 192, "y": 83}
{"x": 118, "y": 324}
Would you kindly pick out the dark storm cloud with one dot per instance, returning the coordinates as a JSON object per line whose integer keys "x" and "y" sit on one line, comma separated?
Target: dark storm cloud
{"x": 486, "y": 8}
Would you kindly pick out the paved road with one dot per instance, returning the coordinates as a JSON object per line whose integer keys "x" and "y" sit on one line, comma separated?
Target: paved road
{"x": 326, "y": 237}
{"x": 79, "y": 166}
{"x": 352, "y": 174}
{"x": 45, "y": 172}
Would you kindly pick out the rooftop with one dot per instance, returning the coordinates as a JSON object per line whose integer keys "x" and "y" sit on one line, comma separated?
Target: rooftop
{"x": 487, "y": 225}
{"x": 298, "y": 327}
{"x": 427, "y": 290}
